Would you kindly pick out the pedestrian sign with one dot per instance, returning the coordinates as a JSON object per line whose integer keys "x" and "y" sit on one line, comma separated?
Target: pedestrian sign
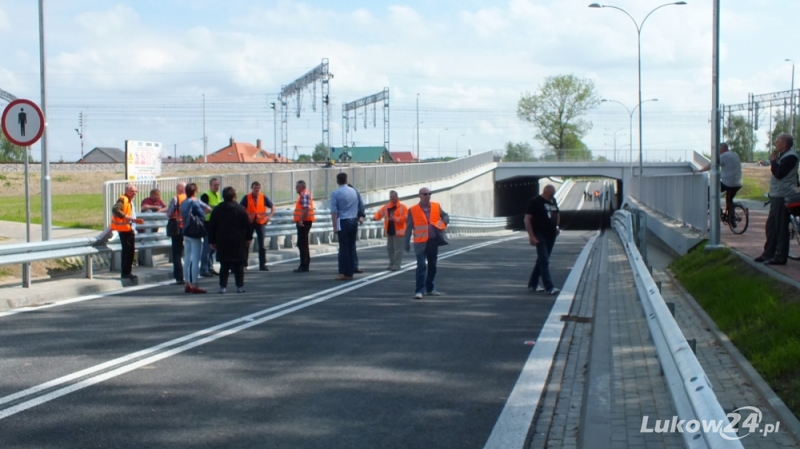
{"x": 23, "y": 123}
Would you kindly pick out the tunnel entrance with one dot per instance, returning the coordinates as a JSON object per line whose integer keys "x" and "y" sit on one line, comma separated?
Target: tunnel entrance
{"x": 580, "y": 208}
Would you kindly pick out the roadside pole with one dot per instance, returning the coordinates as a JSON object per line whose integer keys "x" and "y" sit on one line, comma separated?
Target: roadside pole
{"x": 26, "y": 268}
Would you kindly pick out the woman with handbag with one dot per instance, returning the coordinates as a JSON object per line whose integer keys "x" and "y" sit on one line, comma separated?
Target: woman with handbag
{"x": 193, "y": 213}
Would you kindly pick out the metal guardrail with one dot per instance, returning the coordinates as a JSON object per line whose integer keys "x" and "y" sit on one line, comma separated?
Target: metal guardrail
{"x": 691, "y": 390}
{"x": 279, "y": 186}
{"x": 681, "y": 197}
{"x": 281, "y": 225}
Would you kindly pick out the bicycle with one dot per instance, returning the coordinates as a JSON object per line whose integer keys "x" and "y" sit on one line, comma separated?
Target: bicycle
{"x": 794, "y": 228}
{"x": 741, "y": 218}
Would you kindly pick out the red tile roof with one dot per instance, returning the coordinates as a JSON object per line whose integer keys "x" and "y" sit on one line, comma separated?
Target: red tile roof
{"x": 403, "y": 156}
{"x": 243, "y": 152}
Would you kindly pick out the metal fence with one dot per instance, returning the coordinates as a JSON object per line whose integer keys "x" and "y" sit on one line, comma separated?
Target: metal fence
{"x": 682, "y": 197}
{"x": 279, "y": 186}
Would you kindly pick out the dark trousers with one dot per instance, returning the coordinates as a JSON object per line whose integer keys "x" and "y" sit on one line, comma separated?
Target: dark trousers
{"x": 177, "y": 252}
{"x": 777, "y": 246}
{"x": 426, "y": 275}
{"x": 262, "y": 250}
{"x": 128, "y": 242}
{"x": 348, "y": 232}
{"x": 238, "y": 273}
{"x": 302, "y": 244}
{"x": 542, "y": 268}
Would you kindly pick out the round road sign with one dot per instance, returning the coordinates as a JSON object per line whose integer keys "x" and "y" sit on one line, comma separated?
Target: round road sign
{"x": 23, "y": 123}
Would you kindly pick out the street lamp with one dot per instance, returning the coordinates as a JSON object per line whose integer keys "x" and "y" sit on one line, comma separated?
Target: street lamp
{"x": 794, "y": 104}
{"x": 415, "y": 132}
{"x": 462, "y": 135}
{"x": 439, "y": 144}
{"x": 630, "y": 134}
{"x": 639, "y": 40}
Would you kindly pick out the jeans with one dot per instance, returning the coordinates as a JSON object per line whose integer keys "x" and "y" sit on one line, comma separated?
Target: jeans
{"x": 191, "y": 266}
{"x": 394, "y": 245}
{"x": 262, "y": 250}
{"x": 347, "y": 234}
{"x": 177, "y": 253}
{"x": 128, "y": 242}
{"x": 302, "y": 244}
{"x": 238, "y": 273}
{"x": 206, "y": 257}
{"x": 542, "y": 267}
{"x": 425, "y": 277}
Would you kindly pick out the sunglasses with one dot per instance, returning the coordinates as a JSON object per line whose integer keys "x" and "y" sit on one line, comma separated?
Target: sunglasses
{"x": 425, "y": 194}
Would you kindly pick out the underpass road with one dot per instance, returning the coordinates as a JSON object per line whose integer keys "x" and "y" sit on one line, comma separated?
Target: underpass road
{"x": 362, "y": 369}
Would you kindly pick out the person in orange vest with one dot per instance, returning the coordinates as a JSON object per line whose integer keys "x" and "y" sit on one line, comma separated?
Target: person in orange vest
{"x": 256, "y": 204}
{"x": 174, "y": 227}
{"x": 303, "y": 218}
{"x": 393, "y": 215}
{"x": 429, "y": 223}
{"x": 122, "y": 217}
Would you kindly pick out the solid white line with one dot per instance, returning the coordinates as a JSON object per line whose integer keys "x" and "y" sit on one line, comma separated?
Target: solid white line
{"x": 511, "y": 429}
{"x": 211, "y": 334}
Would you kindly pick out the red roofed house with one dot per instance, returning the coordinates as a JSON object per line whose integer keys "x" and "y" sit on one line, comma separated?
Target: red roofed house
{"x": 243, "y": 152}
{"x": 403, "y": 156}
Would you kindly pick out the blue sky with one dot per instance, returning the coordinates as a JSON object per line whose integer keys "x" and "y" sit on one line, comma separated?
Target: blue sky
{"x": 139, "y": 70}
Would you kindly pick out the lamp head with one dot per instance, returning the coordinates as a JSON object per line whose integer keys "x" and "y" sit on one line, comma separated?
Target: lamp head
{"x": 603, "y": 100}
{"x": 679, "y": 3}
{"x": 595, "y": 5}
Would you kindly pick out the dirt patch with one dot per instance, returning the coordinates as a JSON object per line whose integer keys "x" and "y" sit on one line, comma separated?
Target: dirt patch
{"x": 12, "y": 274}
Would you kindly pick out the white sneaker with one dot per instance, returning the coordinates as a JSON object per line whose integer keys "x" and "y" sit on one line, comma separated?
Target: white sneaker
{"x": 221, "y": 290}
{"x": 554, "y": 291}
{"x": 539, "y": 288}
{"x": 418, "y": 296}
{"x": 241, "y": 290}
{"x": 433, "y": 293}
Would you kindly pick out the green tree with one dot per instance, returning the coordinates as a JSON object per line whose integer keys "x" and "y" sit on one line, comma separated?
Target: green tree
{"x": 10, "y": 152}
{"x": 304, "y": 158}
{"x": 322, "y": 153}
{"x": 782, "y": 124}
{"x": 518, "y": 152}
{"x": 738, "y": 134}
{"x": 556, "y": 111}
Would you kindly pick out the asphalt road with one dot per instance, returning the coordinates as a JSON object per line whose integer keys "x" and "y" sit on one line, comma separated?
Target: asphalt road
{"x": 299, "y": 361}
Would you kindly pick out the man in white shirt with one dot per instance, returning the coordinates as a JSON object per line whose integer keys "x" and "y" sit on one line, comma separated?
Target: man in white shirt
{"x": 730, "y": 178}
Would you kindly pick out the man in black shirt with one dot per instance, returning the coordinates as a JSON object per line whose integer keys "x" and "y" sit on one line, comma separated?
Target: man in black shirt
{"x": 541, "y": 222}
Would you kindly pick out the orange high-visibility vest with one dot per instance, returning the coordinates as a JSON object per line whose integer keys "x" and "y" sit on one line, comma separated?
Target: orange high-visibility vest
{"x": 257, "y": 209}
{"x": 298, "y": 209}
{"x": 122, "y": 224}
{"x": 421, "y": 222}
{"x": 399, "y": 218}
{"x": 176, "y": 215}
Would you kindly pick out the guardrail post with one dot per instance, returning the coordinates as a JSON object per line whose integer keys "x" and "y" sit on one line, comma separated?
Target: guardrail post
{"x": 693, "y": 344}
{"x": 287, "y": 242}
{"x": 88, "y": 266}
{"x": 26, "y": 275}
{"x": 325, "y": 237}
{"x": 379, "y": 233}
{"x": 671, "y": 307}
{"x": 116, "y": 261}
{"x": 641, "y": 233}
{"x": 273, "y": 243}
{"x": 313, "y": 239}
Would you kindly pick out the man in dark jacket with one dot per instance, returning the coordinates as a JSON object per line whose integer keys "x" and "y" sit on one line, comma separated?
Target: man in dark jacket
{"x": 230, "y": 234}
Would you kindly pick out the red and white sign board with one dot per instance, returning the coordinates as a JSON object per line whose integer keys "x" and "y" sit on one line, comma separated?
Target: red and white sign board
{"x": 142, "y": 160}
{"x": 23, "y": 122}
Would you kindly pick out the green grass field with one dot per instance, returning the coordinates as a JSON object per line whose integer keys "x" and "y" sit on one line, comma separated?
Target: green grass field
{"x": 74, "y": 211}
{"x": 760, "y": 315}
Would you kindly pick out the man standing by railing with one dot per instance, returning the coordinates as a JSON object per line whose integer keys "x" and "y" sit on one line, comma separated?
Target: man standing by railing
{"x": 122, "y": 218}
{"x": 344, "y": 214}
{"x": 393, "y": 215}
{"x": 212, "y": 197}
{"x": 256, "y": 204}
{"x": 303, "y": 218}
{"x": 174, "y": 226}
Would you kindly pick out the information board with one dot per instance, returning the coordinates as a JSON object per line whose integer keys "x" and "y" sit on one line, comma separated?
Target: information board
{"x": 142, "y": 160}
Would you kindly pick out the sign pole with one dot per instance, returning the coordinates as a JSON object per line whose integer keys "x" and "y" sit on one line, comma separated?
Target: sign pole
{"x": 47, "y": 219}
{"x": 26, "y": 268}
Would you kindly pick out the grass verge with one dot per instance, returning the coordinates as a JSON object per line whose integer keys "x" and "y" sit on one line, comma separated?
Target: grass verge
{"x": 73, "y": 211}
{"x": 759, "y": 315}
{"x": 753, "y": 189}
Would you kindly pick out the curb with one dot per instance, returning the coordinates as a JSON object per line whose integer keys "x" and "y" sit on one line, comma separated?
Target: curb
{"x": 787, "y": 418}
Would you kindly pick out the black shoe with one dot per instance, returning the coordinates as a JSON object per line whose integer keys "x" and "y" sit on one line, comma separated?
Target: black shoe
{"x": 300, "y": 270}
{"x": 263, "y": 268}
{"x": 180, "y": 282}
{"x": 774, "y": 262}
{"x": 358, "y": 271}
{"x": 759, "y": 259}
{"x": 132, "y": 277}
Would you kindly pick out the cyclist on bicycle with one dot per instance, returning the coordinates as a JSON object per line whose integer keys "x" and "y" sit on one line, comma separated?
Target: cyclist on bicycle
{"x": 730, "y": 178}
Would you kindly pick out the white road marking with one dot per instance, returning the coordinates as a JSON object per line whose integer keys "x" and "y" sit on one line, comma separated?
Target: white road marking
{"x": 130, "y": 362}
{"x": 511, "y": 429}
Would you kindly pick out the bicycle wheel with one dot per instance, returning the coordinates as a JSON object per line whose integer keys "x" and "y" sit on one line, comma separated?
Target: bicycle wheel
{"x": 794, "y": 238}
{"x": 739, "y": 219}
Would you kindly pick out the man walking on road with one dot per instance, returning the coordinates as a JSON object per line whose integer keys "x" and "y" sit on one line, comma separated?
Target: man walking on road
{"x": 122, "y": 217}
{"x": 212, "y": 198}
{"x": 303, "y": 218}
{"x": 541, "y": 222}
{"x": 783, "y": 165}
{"x": 344, "y": 214}
{"x": 256, "y": 204}
{"x": 393, "y": 215}
{"x": 174, "y": 227}
{"x": 429, "y": 222}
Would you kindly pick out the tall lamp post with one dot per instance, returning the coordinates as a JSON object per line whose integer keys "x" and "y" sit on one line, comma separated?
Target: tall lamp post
{"x": 415, "y": 134}
{"x": 439, "y": 144}
{"x": 630, "y": 134}
{"x": 639, "y": 40}
{"x": 794, "y": 102}
{"x": 462, "y": 135}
